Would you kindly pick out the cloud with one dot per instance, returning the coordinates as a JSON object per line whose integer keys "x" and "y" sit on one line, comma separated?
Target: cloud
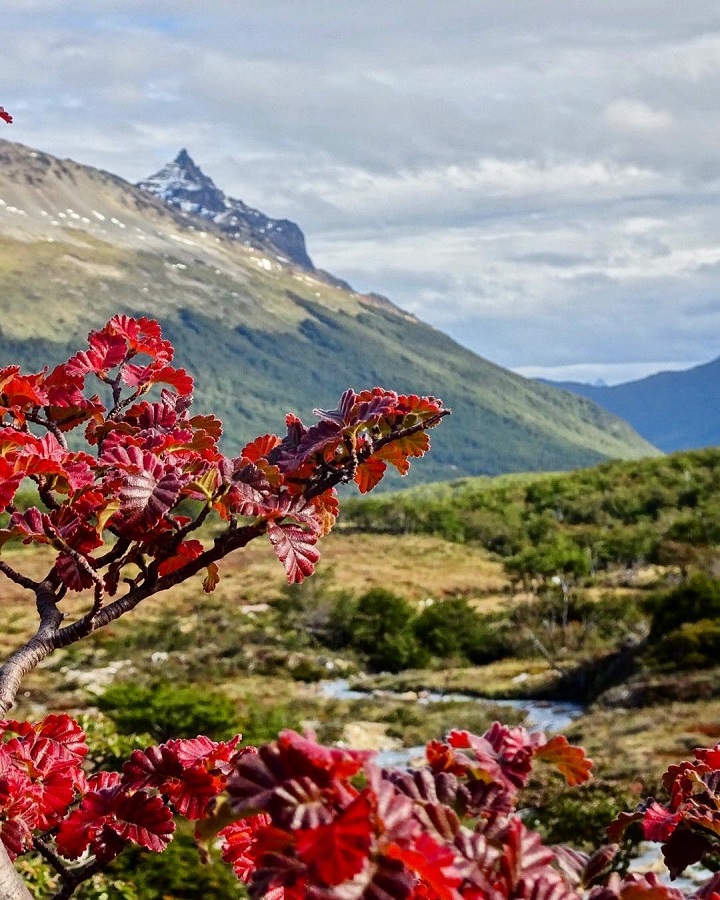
{"x": 540, "y": 179}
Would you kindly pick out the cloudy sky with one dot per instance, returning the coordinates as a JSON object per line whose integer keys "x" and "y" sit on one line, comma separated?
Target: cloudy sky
{"x": 539, "y": 178}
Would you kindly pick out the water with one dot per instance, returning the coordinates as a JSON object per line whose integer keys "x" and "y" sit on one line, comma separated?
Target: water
{"x": 540, "y": 715}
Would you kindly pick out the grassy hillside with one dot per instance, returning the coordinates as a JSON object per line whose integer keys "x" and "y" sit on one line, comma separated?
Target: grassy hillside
{"x": 261, "y": 337}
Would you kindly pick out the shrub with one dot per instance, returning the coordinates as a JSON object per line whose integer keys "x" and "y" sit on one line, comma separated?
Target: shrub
{"x": 167, "y": 710}
{"x": 453, "y": 628}
{"x": 694, "y": 645}
{"x": 695, "y": 599}
{"x": 379, "y": 626}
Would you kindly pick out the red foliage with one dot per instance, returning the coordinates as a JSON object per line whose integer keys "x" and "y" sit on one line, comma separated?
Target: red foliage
{"x": 150, "y": 456}
{"x": 310, "y": 821}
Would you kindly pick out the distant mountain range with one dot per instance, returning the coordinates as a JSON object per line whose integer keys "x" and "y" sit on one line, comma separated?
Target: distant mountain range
{"x": 261, "y": 329}
{"x": 672, "y": 410}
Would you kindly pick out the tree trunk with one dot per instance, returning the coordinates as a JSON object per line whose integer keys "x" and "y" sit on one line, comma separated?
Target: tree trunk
{"x": 12, "y": 887}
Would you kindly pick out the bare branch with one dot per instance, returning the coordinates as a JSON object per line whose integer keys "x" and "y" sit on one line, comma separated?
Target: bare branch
{"x": 35, "y": 650}
{"x": 22, "y": 580}
{"x": 51, "y": 427}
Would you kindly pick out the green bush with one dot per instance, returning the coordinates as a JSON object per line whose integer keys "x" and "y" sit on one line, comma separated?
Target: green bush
{"x": 453, "y": 628}
{"x": 379, "y": 626}
{"x": 696, "y": 599}
{"x": 694, "y": 645}
{"x": 168, "y": 711}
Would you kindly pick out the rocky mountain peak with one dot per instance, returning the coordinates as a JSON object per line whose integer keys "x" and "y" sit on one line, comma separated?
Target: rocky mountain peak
{"x": 183, "y": 184}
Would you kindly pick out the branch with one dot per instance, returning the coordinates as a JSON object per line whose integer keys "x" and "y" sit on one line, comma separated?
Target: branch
{"x": 71, "y": 878}
{"x": 12, "y": 887}
{"x": 35, "y": 650}
{"x": 330, "y": 478}
{"x": 51, "y": 427}
{"x": 231, "y": 539}
{"x": 22, "y": 580}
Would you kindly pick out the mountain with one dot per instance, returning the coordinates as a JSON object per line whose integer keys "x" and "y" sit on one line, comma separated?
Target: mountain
{"x": 183, "y": 185}
{"x": 672, "y": 410}
{"x": 261, "y": 335}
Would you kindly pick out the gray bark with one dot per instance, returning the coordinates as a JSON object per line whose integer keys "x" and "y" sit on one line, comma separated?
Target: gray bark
{"x": 12, "y": 887}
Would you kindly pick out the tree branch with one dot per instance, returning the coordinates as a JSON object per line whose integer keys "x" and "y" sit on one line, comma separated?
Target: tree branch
{"x": 35, "y": 650}
{"x": 22, "y": 580}
{"x": 230, "y": 540}
{"x": 12, "y": 887}
{"x": 71, "y": 877}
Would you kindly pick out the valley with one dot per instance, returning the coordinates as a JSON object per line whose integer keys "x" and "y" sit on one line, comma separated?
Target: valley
{"x": 431, "y": 608}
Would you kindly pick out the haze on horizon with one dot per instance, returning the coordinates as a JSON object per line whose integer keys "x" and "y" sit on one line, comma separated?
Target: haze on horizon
{"x": 541, "y": 181}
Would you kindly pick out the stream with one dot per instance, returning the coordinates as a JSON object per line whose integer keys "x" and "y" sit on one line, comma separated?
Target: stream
{"x": 540, "y": 715}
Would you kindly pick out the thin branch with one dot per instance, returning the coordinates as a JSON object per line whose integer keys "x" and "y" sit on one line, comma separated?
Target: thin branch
{"x": 51, "y": 427}
{"x": 227, "y": 542}
{"x": 50, "y": 856}
{"x": 115, "y": 553}
{"x": 22, "y": 580}
{"x": 330, "y": 478}
{"x": 71, "y": 878}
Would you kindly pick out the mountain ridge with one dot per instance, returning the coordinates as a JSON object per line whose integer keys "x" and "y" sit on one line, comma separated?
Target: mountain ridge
{"x": 260, "y": 335}
{"x": 674, "y": 410}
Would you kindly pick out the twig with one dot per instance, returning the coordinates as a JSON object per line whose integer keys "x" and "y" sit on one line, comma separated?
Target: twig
{"x": 51, "y": 427}
{"x": 22, "y": 580}
{"x": 71, "y": 878}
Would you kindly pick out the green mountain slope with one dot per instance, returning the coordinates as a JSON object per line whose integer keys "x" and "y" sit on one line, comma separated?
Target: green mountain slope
{"x": 260, "y": 336}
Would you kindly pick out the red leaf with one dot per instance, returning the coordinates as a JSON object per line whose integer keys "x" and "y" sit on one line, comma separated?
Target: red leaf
{"x": 295, "y": 548}
{"x": 337, "y": 851}
{"x": 239, "y": 840}
{"x": 108, "y": 818}
{"x": 260, "y": 447}
{"x": 369, "y": 473}
{"x": 185, "y": 553}
{"x": 433, "y": 863}
{"x": 659, "y": 823}
{"x": 568, "y": 759}
{"x": 145, "y": 498}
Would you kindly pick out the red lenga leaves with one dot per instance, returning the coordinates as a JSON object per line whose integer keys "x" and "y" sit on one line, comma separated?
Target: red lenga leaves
{"x": 149, "y": 456}
{"x": 321, "y": 822}
{"x": 311, "y": 824}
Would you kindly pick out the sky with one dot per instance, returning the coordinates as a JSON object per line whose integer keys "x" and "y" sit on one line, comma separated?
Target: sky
{"x": 538, "y": 178}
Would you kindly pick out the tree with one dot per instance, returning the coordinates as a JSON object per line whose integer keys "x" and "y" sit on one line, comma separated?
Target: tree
{"x": 123, "y": 516}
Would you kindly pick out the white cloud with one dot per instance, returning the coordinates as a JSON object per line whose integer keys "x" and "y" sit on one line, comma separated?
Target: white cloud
{"x": 542, "y": 179}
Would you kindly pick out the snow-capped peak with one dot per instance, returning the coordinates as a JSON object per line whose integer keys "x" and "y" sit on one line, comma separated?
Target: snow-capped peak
{"x": 181, "y": 183}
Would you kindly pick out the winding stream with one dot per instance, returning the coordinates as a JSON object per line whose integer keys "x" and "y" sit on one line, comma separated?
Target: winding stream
{"x": 540, "y": 715}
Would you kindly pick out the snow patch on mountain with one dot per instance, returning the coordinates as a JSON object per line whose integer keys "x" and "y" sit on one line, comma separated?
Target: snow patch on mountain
{"x": 184, "y": 185}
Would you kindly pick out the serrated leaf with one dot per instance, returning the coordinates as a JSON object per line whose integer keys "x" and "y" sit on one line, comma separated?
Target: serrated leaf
{"x": 185, "y": 553}
{"x": 295, "y": 548}
{"x": 369, "y": 473}
{"x": 337, "y": 851}
{"x": 569, "y": 760}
